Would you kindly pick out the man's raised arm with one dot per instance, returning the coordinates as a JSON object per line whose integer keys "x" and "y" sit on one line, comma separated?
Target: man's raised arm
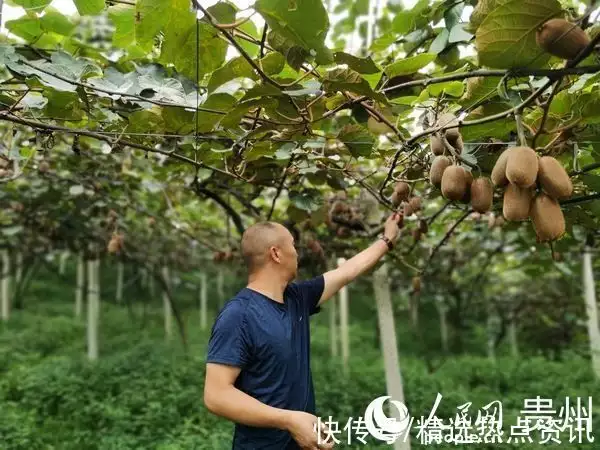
{"x": 362, "y": 262}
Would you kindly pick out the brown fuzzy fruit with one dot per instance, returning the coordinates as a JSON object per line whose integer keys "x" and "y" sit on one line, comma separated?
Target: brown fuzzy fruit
{"x": 554, "y": 178}
{"x": 438, "y": 166}
{"x": 547, "y": 218}
{"x": 454, "y": 183}
{"x": 415, "y": 203}
{"x": 561, "y": 38}
{"x": 517, "y": 202}
{"x": 458, "y": 144}
{"x": 403, "y": 190}
{"x": 407, "y": 209}
{"x": 44, "y": 167}
{"x": 395, "y": 198}
{"x": 491, "y": 221}
{"x": 522, "y": 166}
{"x": 499, "y": 171}
{"x": 416, "y": 233}
{"x": 437, "y": 145}
{"x": 482, "y": 193}
{"x": 115, "y": 244}
{"x": 449, "y": 119}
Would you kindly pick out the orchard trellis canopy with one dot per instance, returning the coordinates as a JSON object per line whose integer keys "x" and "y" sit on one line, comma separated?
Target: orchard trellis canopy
{"x": 189, "y": 122}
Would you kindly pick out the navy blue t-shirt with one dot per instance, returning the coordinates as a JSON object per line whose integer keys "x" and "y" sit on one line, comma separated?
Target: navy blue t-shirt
{"x": 270, "y": 341}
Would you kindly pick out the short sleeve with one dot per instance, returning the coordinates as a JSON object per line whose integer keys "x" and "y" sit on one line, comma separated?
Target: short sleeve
{"x": 311, "y": 291}
{"x": 230, "y": 340}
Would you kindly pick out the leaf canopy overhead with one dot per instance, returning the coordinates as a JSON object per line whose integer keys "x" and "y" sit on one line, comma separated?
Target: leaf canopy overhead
{"x": 268, "y": 117}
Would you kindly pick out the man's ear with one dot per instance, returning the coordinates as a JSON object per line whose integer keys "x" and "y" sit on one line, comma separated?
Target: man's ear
{"x": 274, "y": 251}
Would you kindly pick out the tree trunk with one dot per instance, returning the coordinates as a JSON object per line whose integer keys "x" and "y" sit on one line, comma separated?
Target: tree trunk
{"x": 220, "y": 289}
{"x": 414, "y": 310}
{"x": 345, "y": 338}
{"x": 166, "y": 303}
{"x": 512, "y": 335}
{"x": 443, "y": 313}
{"x": 63, "y": 262}
{"x": 203, "y": 301}
{"x": 93, "y": 307}
{"x": 393, "y": 375}
{"x": 79, "y": 290}
{"x": 119, "y": 293}
{"x": 592, "y": 310}
{"x": 5, "y": 310}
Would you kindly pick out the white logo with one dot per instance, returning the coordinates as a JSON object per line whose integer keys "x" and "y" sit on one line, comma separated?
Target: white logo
{"x": 382, "y": 427}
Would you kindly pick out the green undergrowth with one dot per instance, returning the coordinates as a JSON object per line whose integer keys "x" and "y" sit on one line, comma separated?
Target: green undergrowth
{"x": 145, "y": 392}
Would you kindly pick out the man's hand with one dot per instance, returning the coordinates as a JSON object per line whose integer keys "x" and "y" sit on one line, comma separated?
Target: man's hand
{"x": 392, "y": 226}
{"x": 303, "y": 428}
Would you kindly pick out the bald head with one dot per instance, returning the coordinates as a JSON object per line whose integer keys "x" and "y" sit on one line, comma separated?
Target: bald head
{"x": 258, "y": 239}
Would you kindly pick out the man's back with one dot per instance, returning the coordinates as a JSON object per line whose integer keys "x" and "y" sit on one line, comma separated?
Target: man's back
{"x": 270, "y": 342}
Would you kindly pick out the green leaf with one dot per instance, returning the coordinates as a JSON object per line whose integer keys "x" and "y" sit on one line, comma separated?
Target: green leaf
{"x": 219, "y": 102}
{"x": 233, "y": 117}
{"x": 360, "y": 65}
{"x": 383, "y": 42}
{"x": 439, "y": 43}
{"x": 234, "y": 68}
{"x": 63, "y": 104}
{"x": 507, "y": 36}
{"x": 34, "y": 6}
{"x": 307, "y": 200}
{"x": 178, "y": 120}
{"x": 479, "y": 89}
{"x": 125, "y": 34}
{"x": 452, "y": 88}
{"x": 410, "y": 65}
{"x": 273, "y": 63}
{"x": 25, "y": 27}
{"x": 56, "y": 22}
{"x": 358, "y": 140}
{"x": 591, "y": 181}
{"x": 458, "y": 34}
{"x": 348, "y": 80}
{"x": 89, "y": 7}
{"x": 499, "y": 129}
{"x": 152, "y": 16}
{"x": 303, "y": 22}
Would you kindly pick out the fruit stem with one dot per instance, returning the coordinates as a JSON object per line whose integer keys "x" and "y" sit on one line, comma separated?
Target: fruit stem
{"x": 520, "y": 129}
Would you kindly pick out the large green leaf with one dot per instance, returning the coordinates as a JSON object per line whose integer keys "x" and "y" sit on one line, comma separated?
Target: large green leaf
{"x": 219, "y": 102}
{"x": 304, "y": 22}
{"x": 506, "y": 37}
{"x": 360, "y": 65}
{"x": 479, "y": 89}
{"x": 36, "y": 6}
{"x": 348, "y": 80}
{"x": 89, "y": 7}
{"x": 234, "y": 68}
{"x": 56, "y": 22}
{"x": 358, "y": 140}
{"x": 407, "y": 66}
{"x": 125, "y": 35}
{"x": 482, "y": 10}
{"x": 27, "y": 28}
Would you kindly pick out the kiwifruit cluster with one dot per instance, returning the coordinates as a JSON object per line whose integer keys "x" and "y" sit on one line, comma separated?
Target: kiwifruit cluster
{"x": 223, "y": 256}
{"x": 116, "y": 242}
{"x": 533, "y": 185}
{"x": 342, "y": 217}
{"x": 561, "y": 38}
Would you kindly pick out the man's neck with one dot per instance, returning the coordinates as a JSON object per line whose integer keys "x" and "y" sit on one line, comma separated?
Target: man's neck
{"x": 268, "y": 285}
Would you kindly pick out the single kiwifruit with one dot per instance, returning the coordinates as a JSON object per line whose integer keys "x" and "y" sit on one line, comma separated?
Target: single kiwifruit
{"x": 446, "y": 120}
{"x": 499, "y": 171}
{"x": 459, "y": 144}
{"x": 403, "y": 190}
{"x": 547, "y": 218}
{"x": 438, "y": 166}
{"x": 437, "y": 145}
{"x": 475, "y": 216}
{"x": 407, "y": 209}
{"x": 482, "y": 193}
{"x": 517, "y": 202}
{"x": 416, "y": 233}
{"x": 395, "y": 198}
{"x": 44, "y": 167}
{"x": 415, "y": 203}
{"x": 114, "y": 245}
{"x": 468, "y": 180}
{"x": 561, "y": 38}
{"x": 454, "y": 183}
{"x": 522, "y": 166}
{"x": 554, "y": 178}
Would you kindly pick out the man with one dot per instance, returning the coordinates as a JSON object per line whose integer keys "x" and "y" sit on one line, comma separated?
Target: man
{"x": 258, "y": 365}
